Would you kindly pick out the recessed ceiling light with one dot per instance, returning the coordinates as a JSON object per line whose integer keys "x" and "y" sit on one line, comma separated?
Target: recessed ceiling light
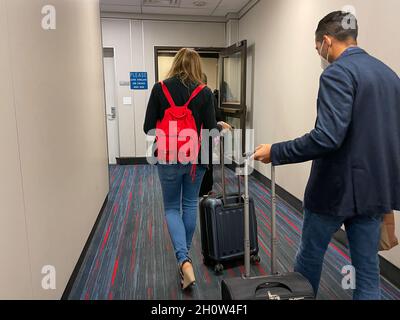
{"x": 200, "y": 3}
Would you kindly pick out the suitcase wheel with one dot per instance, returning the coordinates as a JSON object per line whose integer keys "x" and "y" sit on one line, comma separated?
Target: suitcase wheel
{"x": 219, "y": 268}
{"x": 255, "y": 259}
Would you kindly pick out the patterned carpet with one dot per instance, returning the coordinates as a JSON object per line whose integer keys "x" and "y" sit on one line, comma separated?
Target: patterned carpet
{"x": 131, "y": 255}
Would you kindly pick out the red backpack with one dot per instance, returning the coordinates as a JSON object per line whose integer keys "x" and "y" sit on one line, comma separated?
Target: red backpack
{"x": 176, "y": 136}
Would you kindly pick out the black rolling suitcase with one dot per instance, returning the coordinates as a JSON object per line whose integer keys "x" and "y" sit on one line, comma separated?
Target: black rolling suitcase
{"x": 222, "y": 227}
{"x": 289, "y": 286}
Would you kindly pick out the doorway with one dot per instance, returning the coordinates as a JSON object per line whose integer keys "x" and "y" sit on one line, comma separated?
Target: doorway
{"x": 226, "y": 71}
{"x": 164, "y": 57}
{"x": 111, "y": 106}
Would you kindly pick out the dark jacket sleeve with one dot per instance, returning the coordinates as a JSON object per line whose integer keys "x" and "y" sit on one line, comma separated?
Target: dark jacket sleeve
{"x": 335, "y": 104}
{"x": 209, "y": 117}
{"x": 218, "y": 112}
{"x": 153, "y": 110}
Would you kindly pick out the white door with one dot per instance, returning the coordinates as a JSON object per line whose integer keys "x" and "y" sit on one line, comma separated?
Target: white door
{"x": 112, "y": 109}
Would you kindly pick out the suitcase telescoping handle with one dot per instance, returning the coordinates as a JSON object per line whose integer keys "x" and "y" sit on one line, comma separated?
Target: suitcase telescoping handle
{"x": 222, "y": 151}
{"x": 247, "y": 243}
{"x": 274, "y": 240}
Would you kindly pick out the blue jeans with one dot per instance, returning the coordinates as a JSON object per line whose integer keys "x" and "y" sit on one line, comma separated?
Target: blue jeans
{"x": 363, "y": 234}
{"x": 180, "y": 191}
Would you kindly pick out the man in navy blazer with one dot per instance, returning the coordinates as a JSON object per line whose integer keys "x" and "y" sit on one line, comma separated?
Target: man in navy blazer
{"x": 355, "y": 146}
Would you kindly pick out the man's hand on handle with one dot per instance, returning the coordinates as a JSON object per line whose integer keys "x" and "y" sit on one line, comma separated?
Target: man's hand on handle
{"x": 263, "y": 153}
{"x": 225, "y": 126}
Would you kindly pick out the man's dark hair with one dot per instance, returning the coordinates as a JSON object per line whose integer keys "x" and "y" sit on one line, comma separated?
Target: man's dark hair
{"x": 340, "y": 25}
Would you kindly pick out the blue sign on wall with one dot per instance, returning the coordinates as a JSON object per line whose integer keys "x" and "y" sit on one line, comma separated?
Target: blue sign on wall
{"x": 139, "y": 81}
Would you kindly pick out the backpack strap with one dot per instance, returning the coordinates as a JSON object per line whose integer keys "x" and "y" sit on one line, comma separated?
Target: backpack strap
{"x": 194, "y": 94}
{"x": 167, "y": 94}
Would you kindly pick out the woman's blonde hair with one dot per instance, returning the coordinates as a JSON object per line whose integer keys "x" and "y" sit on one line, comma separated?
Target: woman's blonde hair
{"x": 187, "y": 66}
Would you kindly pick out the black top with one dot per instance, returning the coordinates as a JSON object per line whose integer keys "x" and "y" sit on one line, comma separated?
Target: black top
{"x": 218, "y": 112}
{"x": 202, "y": 106}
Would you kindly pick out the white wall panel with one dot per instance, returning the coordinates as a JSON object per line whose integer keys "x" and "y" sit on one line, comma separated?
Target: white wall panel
{"x": 60, "y": 118}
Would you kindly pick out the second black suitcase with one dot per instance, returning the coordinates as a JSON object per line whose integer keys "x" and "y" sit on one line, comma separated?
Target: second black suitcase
{"x": 289, "y": 286}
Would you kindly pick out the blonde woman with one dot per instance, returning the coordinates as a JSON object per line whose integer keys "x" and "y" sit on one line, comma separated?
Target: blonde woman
{"x": 180, "y": 183}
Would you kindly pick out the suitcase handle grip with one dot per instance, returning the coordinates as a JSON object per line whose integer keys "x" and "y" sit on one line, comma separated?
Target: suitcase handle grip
{"x": 222, "y": 154}
{"x": 269, "y": 285}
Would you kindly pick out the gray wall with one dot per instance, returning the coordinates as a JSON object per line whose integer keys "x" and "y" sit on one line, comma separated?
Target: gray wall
{"x": 53, "y": 139}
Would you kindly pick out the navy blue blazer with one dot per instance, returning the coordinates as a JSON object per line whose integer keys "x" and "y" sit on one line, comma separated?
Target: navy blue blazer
{"x": 356, "y": 141}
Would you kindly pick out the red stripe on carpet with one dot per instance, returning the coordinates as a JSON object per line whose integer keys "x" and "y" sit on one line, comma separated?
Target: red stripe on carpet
{"x": 115, "y": 271}
{"x": 339, "y": 251}
{"x": 105, "y": 238}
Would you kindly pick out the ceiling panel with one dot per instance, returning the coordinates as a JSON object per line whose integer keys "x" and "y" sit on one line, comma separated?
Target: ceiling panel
{"x": 123, "y": 2}
{"x": 161, "y": 3}
{"x": 210, "y": 4}
{"x": 185, "y": 7}
{"x": 178, "y": 11}
{"x": 120, "y": 8}
{"x": 230, "y": 6}
{"x": 131, "y": 6}
{"x": 218, "y": 8}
